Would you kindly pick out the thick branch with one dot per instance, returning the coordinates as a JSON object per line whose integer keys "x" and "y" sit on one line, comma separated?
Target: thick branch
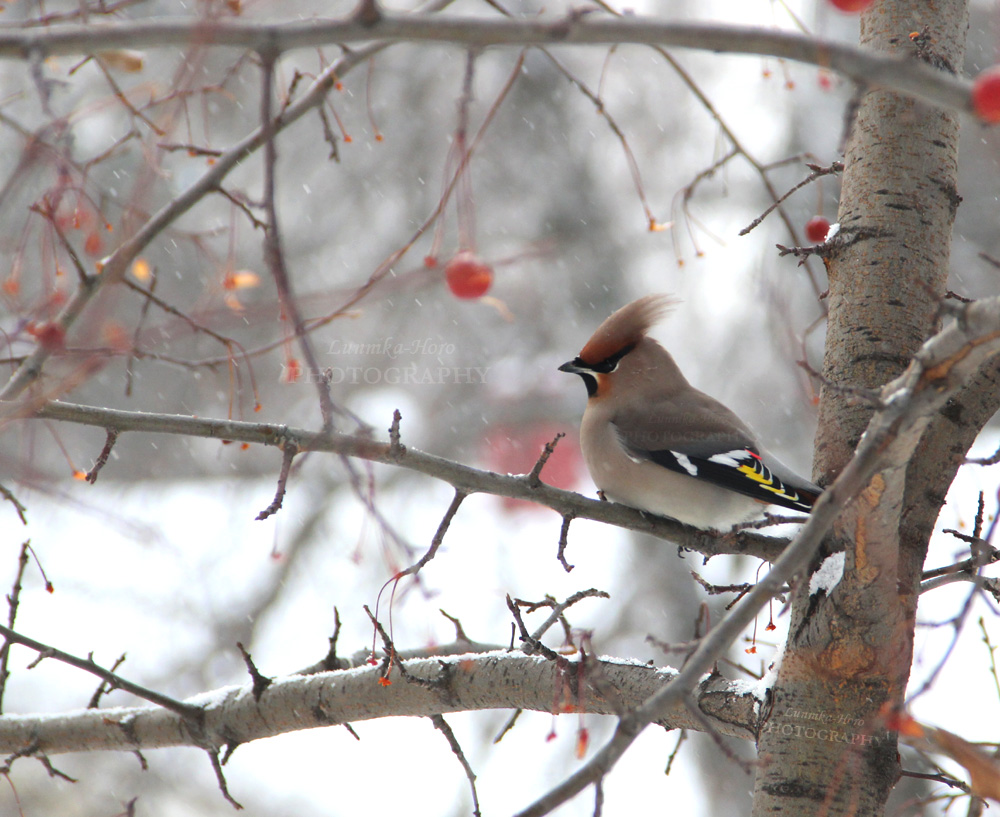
{"x": 898, "y": 73}
{"x": 462, "y": 477}
{"x": 495, "y": 680}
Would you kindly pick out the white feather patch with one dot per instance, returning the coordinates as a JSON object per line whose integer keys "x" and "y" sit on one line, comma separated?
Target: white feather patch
{"x": 685, "y": 463}
{"x": 730, "y": 458}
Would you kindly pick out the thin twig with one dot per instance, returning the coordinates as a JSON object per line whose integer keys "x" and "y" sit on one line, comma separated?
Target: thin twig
{"x": 550, "y": 447}
{"x": 531, "y": 644}
{"x": 817, "y": 172}
{"x": 52, "y": 770}
{"x": 12, "y": 602}
{"x": 242, "y": 206}
{"x": 993, "y": 459}
{"x": 564, "y": 542}
{"x": 260, "y": 682}
{"x": 396, "y": 448}
{"x": 442, "y": 529}
{"x": 330, "y": 661}
{"x": 22, "y": 512}
{"x": 459, "y": 630}
{"x": 187, "y": 711}
{"x": 681, "y": 737}
{"x": 213, "y": 758}
{"x": 863, "y": 396}
{"x": 442, "y": 726}
{"x": 558, "y": 609}
{"x": 507, "y": 726}
{"x": 391, "y": 658}
{"x": 191, "y": 150}
{"x": 985, "y": 554}
{"x": 105, "y": 687}
{"x": 102, "y": 458}
{"x": 137, "y": 332}
{"x": 287, "y": 456}
{"x": 957, "y": 622}
{"x": 712, "y": 732}
{"x": 228, "y": 343}
{"x": 121, "y": 96}
{"x": 991, "y": 649}
{"x": 948, "y": 780}
{"x": 273, "y": 252}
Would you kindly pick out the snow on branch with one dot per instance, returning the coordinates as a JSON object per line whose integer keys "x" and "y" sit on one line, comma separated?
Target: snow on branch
{"x": 499, "y": 679}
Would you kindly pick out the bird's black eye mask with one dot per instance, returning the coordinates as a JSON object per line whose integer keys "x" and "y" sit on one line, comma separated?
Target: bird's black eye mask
{"x": 609, "y": 364}
{"x": 587, "y": 370}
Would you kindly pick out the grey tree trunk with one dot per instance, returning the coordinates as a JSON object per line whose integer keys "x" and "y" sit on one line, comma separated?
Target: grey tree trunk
{"x": 821, "y": 746}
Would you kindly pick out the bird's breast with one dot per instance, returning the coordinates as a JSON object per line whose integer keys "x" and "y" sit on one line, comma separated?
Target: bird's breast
{"x": 648, "y": 486}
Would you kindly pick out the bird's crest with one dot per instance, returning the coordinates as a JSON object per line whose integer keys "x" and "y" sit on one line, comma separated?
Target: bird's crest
{"x": 626, "y": 327}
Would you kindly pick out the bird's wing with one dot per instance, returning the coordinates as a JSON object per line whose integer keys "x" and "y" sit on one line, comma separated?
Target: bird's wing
{"x": 701, "y": 438}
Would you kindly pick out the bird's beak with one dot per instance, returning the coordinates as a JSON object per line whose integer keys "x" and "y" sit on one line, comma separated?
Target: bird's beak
{"x": 577, "y": 366}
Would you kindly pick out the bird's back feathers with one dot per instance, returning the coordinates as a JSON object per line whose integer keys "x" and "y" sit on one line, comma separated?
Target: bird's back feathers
{"x": 667, "y": 423}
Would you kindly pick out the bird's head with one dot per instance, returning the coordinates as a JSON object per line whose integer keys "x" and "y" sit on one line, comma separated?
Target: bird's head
{"x": 620, "y": 349}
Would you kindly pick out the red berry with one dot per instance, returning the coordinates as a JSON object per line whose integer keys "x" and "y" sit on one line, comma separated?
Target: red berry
{"x": 94, "y": 243}
{"x": 291, "y": 371}
{"x": 851, "y": 6}
{"x": 986, "y": 95}
{"x": 468, "y": 276}
{"x": 816, "y": 229}
{"x": 50, "y": 335}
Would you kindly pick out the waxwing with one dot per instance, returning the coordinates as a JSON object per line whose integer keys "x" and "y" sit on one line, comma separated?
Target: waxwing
{"x": 653, "y": 441}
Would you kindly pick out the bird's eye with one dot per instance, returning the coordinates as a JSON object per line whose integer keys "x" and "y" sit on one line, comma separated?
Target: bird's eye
{"x": 609, "y": 364}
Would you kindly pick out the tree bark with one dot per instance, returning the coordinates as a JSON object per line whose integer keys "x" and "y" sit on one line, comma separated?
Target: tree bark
{"x": 849, "y": 649}
{"x": 462, "y": 682}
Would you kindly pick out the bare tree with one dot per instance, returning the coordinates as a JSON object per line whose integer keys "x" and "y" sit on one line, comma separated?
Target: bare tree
{"x": 235, "y": 236}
